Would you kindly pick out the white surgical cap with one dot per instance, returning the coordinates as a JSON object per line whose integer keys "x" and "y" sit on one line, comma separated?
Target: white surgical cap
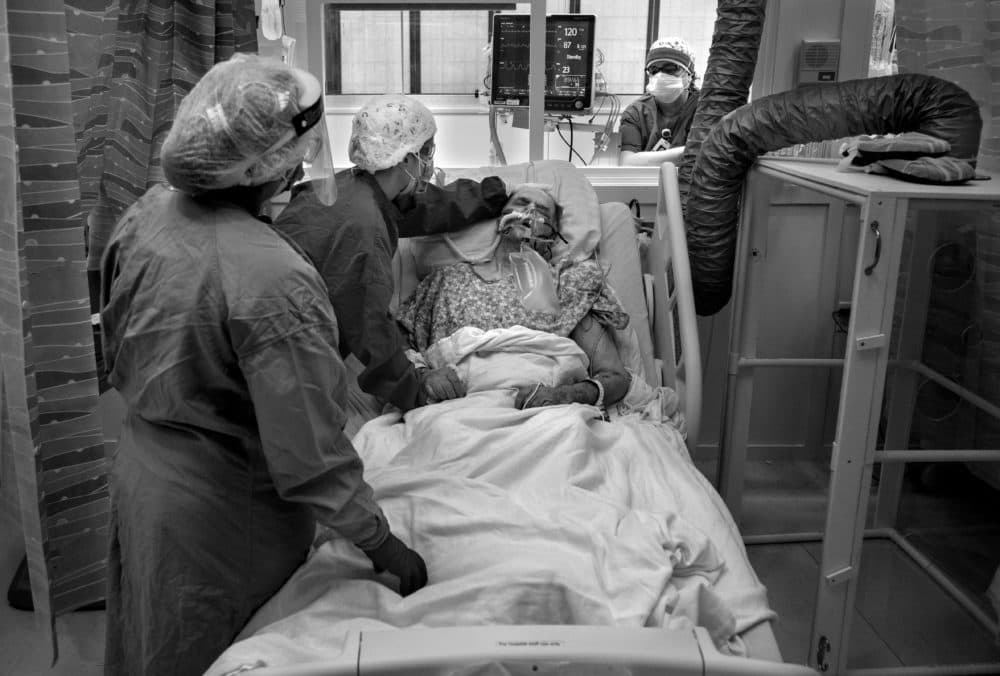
{"x": 387, "y": 129}
{"x": 225, "y": 128}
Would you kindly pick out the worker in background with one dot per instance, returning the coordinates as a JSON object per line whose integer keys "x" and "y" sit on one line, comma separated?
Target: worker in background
{"x": 388, "y": 194}
{"x": 222, "y": 342}
{"x": 655, "y": 126}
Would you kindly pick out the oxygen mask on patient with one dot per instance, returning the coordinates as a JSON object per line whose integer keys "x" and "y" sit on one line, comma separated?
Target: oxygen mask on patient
{"x": 533, "y": 275}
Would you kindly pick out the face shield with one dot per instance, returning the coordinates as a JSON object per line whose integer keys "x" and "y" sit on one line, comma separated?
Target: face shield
{"x": 317, "y": 162}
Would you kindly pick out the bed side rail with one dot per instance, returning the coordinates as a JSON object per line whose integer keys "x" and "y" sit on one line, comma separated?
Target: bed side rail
{"x": 674, "y": 324}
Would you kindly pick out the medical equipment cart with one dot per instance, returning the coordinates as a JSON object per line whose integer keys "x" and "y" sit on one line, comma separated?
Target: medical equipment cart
{"x": 879, "y": 341}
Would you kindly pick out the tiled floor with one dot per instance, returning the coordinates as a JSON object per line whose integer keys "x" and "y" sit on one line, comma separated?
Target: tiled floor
{"x": 23, "y": 648}
{"x": 902, "y": 617}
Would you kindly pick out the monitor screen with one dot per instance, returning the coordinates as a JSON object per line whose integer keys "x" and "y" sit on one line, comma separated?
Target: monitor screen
{"x": 569, "y": 61}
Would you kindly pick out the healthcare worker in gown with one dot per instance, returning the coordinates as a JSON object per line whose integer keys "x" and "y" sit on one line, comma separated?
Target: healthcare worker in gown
{"x": 220, "y": 337}
{"x": 654, "y": 128}
{"x": 388, "y": 194}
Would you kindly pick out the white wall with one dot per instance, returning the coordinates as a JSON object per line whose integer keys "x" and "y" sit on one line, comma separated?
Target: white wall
{"x": 789, "y": 22}
{"x": 463, "y": 139}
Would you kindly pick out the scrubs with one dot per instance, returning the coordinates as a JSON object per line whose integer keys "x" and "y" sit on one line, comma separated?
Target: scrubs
{"x": 352, "y": 244}
{"x": 642, "y": 122}
{"x": 221, "y": 339}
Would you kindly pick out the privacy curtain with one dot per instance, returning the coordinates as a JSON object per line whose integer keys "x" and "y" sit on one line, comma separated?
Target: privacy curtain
{"x": 960, "y": 42}
{"x": 161, "y": 48}
{"x": 88, "y": 89}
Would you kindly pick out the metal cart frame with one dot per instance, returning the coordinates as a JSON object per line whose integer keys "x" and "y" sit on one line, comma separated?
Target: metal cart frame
{"x": 884, "y": 203}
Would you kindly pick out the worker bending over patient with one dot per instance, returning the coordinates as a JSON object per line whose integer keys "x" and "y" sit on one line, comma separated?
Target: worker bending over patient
{"x": 222, "y": 341}
{"x": 485, "y": 294}
{"x": 387, "y": 195}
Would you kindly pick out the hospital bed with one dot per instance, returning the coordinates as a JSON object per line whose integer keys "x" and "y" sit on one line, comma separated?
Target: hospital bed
{"x": 322, "y": 621}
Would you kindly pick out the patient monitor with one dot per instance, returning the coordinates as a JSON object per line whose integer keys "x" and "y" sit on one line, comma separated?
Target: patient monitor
{"x": 569, "y": 62}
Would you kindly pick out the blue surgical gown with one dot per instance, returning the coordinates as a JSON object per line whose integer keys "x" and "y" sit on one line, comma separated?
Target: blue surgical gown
{"x": 220, "y": 337}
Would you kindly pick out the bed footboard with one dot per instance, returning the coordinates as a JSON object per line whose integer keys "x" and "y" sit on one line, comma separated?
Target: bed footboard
{"x": 534, "y": 651}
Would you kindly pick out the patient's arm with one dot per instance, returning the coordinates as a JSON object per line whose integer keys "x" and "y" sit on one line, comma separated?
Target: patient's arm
{"x": 606, "y": 367}
{"x": 627, "y": 158}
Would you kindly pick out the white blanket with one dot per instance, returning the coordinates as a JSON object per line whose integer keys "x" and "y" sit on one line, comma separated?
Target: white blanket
{"x": 542, "y": 516}
{"x": 499, "y": 358}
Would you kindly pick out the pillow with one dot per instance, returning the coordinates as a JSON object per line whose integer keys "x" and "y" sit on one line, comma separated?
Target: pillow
{"x": 936, "y": 170}
{"x": 905, "y": 146}
{"x": 580, "y": 223}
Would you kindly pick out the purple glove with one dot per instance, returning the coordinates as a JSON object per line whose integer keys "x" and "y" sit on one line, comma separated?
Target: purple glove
{"x": 395, "y": 557}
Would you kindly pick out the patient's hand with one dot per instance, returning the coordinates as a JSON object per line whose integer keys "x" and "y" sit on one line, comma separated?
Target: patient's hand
{"x": 532, "y": 396}
{"x": 441, "y": 384}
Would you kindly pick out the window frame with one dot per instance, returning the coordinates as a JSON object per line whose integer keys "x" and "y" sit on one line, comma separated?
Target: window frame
{"x": 450, "y": 103}
{"x": 414, "y": 61}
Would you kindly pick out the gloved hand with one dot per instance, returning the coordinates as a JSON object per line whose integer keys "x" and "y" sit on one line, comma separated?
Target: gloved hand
{"x": 441, "y": 384}
{"x": 395, "y": 557}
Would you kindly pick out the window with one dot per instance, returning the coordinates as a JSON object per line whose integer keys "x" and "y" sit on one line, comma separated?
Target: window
{"x": 439, "y": 52}
{"x": 622, "y": 37}
{"x": 376, "y": 48}
{"x": 372, "y": 50}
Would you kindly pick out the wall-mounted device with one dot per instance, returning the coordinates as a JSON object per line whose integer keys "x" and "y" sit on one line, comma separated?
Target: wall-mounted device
{"x": 569, "y": 62}
{"x": 819, "y": 62}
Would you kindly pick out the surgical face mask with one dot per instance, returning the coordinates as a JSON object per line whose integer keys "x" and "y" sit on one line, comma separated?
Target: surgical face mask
{"x": 293, "y": 178}
{"x": 666, "y": 88}
{"x": 286, "y": 182}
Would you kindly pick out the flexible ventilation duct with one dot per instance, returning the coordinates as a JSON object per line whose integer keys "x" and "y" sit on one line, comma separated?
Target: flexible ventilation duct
{"x": 728, "y": 74}
{"x": 884, "y": 105}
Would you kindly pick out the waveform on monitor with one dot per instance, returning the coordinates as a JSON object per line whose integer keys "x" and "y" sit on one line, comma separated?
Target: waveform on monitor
{"x": 515, "y": 67}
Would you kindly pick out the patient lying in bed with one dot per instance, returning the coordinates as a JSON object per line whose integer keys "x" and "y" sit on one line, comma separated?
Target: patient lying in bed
{"x": 525, "y": 513}
{"x": 475, "y": 315}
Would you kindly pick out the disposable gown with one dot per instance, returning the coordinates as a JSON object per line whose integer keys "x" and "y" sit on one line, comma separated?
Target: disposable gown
{"x": 220, "y": 337}
{"x": 352, "y": 244}
{"x": 642, "y": 123}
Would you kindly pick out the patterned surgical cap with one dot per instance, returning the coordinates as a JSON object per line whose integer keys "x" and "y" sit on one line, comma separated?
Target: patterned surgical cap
{"x": 387, "y": 129}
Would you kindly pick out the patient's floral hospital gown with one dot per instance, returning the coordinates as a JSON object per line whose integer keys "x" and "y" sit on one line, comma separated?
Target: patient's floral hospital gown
{"x": 456, "y": 296}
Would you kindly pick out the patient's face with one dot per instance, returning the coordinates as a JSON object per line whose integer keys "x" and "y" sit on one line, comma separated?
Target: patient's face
{"x": 540, "y": 226}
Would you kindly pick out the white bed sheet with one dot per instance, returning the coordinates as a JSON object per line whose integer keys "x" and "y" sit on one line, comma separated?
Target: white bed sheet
{"x": 543, "y": 516}
{"x": 548, "y": 515}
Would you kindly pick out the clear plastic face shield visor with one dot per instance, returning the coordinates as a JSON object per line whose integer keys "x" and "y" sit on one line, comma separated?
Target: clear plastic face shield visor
{"x": 317, "y": 163}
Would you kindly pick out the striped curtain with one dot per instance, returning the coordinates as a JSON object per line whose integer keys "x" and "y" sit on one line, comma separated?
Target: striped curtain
{"x": 160, "y": 49}
{"x": 88, "y": 89}
{"x": 960, "y": 42}
{"x": 50, "y": 385}
{"x": 13, "y": 418}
